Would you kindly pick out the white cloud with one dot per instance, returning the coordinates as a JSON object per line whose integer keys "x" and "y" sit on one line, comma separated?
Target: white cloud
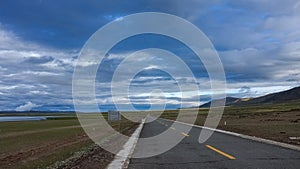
{"x": 152, "y": 67}
{"x": 11, "y": 87}
{"x": 259, "y": 40}
{"x": 37, "y": 92}
{"x": 26, "y": 107}
{"x": 28, "y": 69}
{"x": 36, "y": 73}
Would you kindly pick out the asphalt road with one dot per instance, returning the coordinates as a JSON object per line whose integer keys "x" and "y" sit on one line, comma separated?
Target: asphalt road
{"x": 220, "y": 151}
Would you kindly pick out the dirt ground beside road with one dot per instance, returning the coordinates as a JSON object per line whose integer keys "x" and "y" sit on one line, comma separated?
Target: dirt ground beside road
{"x": 38, "y": 144}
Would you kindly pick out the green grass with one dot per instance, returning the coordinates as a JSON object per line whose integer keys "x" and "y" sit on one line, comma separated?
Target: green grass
{"x": 267, "y": 108}
{"x": 25, "y": 136}
{"x": 33, "y": 140}
{"x": 8, "y": 127}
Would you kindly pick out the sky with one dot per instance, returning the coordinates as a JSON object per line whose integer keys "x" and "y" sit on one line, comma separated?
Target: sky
{"x": 258, "y": 42}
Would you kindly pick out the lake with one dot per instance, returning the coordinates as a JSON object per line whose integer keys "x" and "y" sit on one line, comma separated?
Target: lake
{"x": 23, "y": 118}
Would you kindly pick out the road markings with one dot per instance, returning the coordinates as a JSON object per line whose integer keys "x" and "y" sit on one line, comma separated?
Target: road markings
{"x": 220, "y": 152}
{"x": 183, "y": 133}
{"x": 162, "y": 123}
{"x": 121, "y": 159}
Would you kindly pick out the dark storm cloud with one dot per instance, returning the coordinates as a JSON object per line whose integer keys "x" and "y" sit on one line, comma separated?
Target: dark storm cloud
{"x": 39, "y": 60}
{"x": 68, "y": 24}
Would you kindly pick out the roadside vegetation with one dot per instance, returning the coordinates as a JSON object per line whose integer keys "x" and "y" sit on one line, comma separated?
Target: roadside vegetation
{"x": 279, "y": 122}
{"x": 38, "y": 144}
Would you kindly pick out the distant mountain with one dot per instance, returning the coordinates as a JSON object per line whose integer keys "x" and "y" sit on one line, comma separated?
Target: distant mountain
{"x": 280, "y": 97}
{"x": 229, "y": 100}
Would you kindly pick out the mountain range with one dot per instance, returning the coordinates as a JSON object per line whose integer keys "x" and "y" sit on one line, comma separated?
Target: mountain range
{"x": 280, "y": 97}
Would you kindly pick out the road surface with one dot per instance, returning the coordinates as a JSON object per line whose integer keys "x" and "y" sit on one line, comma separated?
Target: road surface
{"x": 220, "y": 151}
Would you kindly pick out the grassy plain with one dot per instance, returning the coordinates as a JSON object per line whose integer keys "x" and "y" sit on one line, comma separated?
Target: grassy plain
{"x": 37, "y": 144}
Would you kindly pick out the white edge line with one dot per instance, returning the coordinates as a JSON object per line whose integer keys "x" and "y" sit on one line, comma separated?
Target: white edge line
{"x": 121, "y": 160}
{"x": 285, "y": 145}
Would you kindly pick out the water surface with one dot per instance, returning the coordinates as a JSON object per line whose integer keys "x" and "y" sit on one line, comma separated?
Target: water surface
{"x": 24, "y": 118}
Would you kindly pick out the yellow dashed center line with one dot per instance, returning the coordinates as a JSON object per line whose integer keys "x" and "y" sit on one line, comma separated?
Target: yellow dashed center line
{"x": 220, "y": 152}
{"x": 183, "y": 133}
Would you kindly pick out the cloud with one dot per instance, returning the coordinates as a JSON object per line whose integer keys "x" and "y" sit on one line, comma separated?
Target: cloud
{"x": 244, "y": 89}
{"x": 27, "y": 107}
{"x": 258, "y": 43}
{"x": 33, "y": 72}
{"x": 61, "y": 30}
{"x": 39, "y": 60}
{"x": 2, "y": 68}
